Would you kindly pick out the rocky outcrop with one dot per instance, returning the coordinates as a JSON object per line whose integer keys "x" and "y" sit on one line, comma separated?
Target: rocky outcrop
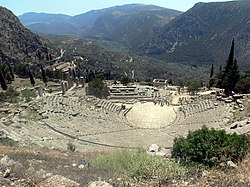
{"x": 99, "y": 184}
{"x": 59, "y": 181}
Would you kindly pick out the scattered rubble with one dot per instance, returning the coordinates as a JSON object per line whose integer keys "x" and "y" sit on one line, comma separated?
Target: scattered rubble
{"x": 231, "y": 164}
{"x": 99, "y": 184}
{"x": 59, "y": 181}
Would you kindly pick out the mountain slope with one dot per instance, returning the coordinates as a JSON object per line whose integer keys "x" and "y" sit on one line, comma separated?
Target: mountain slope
{"x": 18, "y": 44}
{"x": 91, "y": 54}
{"x": 203, "y": 34}
{"x": 131, "y": 25}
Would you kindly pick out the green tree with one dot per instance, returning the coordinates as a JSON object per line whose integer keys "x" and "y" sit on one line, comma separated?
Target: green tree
{"x": 21, "y": 70}
{"x": 11, "y": 72}
{"x": 32, "y": 80}
{"x": 45, "y": 80}
{"x": 125, "y": 80}
{"x": 219, "y": 78}
{"x": 211, "y": 78}
{"x": 2, "y": 81}
{"x": 170, "y": 81}
{"x": 230, "y": 75}
{"x": 194, "y": 88}
{"x": 97, "y": 88}
{"x": 243, "y": 85}
{"x": 212, "y": 71}
{"x": 8, "y": 78}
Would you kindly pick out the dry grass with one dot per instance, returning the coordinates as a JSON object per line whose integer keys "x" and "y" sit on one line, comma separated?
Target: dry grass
{"x": 228, "y": 177}
{"x": 37, "y": 162}
{"x": 2, "y": 115}
{"x": 34, "y": 163}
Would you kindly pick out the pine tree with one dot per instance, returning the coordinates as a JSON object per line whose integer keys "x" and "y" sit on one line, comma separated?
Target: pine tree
{"x": 8, "y": 78}
{"x": 235, "y": 75}
{"x": 11, "y": 72}
{"x": 74, "y": 74}
{"x": 212, "y": 71}
{"x": 2, "y": 81}
{"x": 219, "y": 78}
{"x": 211, "y": 78}
{"x": 230, "y": 75}
{"x": 32, "y": 80}
{"x": 45, "y": 80}
{"x": 230, "y": 60}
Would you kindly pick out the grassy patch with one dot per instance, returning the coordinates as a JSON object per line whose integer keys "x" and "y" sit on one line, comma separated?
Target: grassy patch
{"x": 138, "y": 164}
{"x": 7, "y": 123}
{"x": 28, "y": 94}
{"x": 8, "y": 142}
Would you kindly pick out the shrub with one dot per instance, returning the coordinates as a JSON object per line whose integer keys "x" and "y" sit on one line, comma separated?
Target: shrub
{"x": 50, "y": 90}
{"x": 138, "y": 164}
{"x": 8, "y": 142}
{"x": 97, "y": 88}
{"x": 125, "y": 80}
{"x": 71, "y": 147}
{"x": 243, "y": 86}
{"x": 210, "y": 147}
{"x": 28, "y": 94}
{"x": 10, "y": 95}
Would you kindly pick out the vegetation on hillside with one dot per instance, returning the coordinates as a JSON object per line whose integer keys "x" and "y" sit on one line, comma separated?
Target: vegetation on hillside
{"x": 19, "y": 45}
{"x": 10, "y": 95}
{"x": 199, "y": 39}
{"x": 138, "y": 164}
{"x": 103, "y": 56}
{"x": 210, "y": 147}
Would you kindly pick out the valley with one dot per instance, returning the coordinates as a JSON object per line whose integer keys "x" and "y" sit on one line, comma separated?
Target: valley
{"x": 129, "y": 95}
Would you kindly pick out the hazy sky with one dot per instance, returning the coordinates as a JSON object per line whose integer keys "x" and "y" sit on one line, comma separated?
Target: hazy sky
{"x": 74, "y": 7}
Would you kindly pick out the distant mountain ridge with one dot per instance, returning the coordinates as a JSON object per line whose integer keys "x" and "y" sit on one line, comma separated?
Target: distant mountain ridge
{"x": 86, "y": 23}
{"x": 33, "y": 18}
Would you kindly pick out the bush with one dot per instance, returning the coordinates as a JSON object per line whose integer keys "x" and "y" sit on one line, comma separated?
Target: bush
{"x": 210, "y": 147}
{"x": 8, "y": 142}
{"x": 125, "y": 80}
{"x": 243, "y": 86}
{"x": 71, "y": 147}
{"x": 194, "y": 88}
{"x": 10, "y": 95}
